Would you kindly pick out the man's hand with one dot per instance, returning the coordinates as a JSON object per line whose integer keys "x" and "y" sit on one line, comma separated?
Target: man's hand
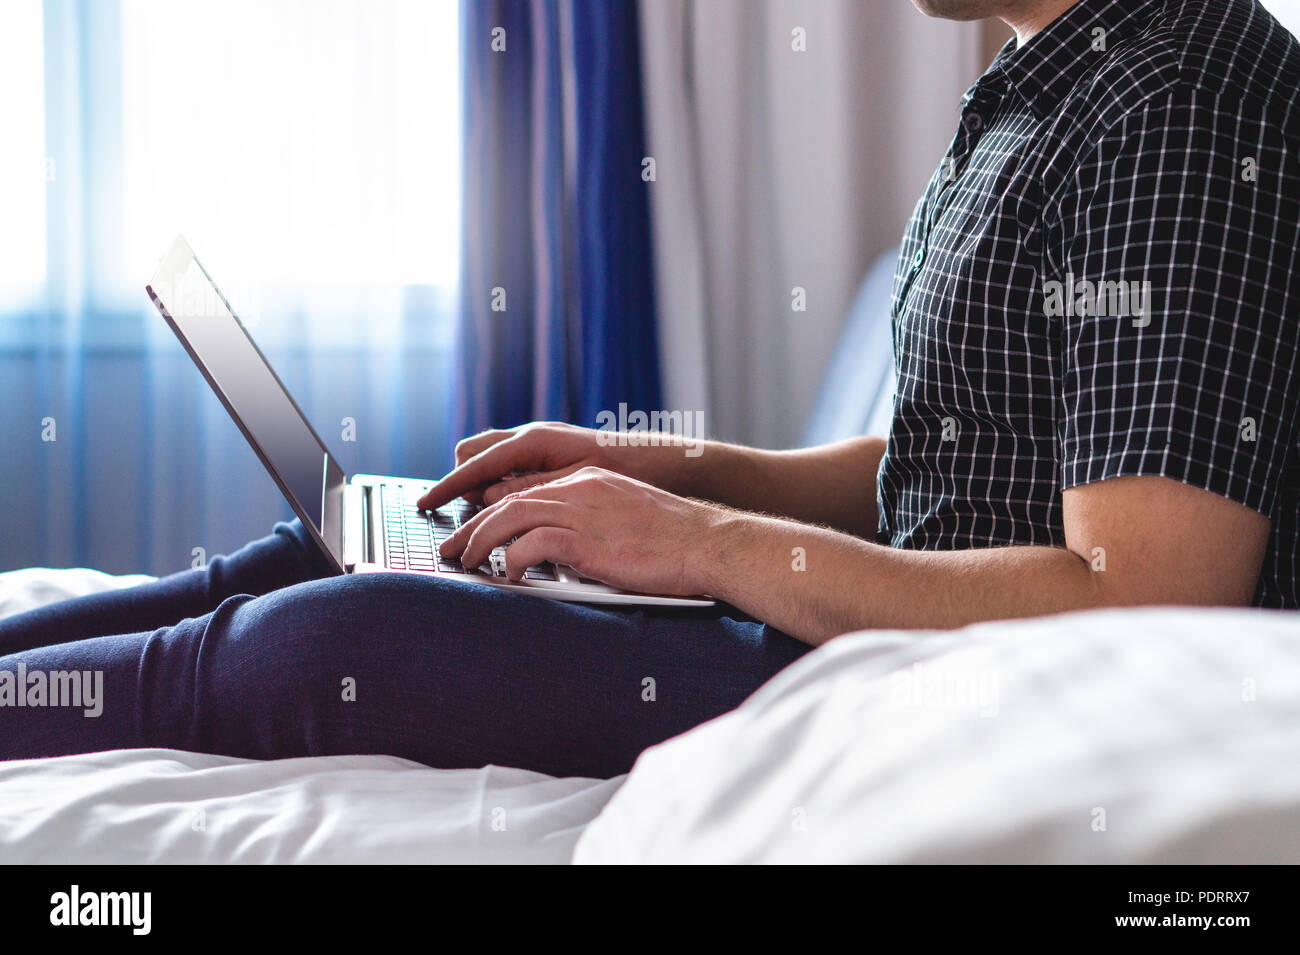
{"x": 834, "y": 484}
{"x": 493, "y": 464}
{"x": 604, "y": 525}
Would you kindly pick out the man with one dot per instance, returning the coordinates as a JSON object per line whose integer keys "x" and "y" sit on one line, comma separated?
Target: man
{"x": 1096, "y": 346}
{"x": 1051, "y": 448}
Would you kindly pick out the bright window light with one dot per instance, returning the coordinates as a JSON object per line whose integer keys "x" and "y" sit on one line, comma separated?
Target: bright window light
{"x": 24, "y": 170}
{"x": 294, "y": 142}
{"x": 1287, "y": 13}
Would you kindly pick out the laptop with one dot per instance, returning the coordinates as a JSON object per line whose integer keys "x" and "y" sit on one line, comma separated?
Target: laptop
{"x": 362, "y": 524}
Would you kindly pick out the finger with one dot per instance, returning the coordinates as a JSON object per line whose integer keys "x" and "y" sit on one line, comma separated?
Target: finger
{"x": 486, "y": 467}
{"x": 559, "y": 545}
{"x": 523, "y": 482}
{"x": 518, "y": 516}
{"x": 561, "y": 489}
{"x": 456, "y": 542}
{"x": 478, "y": 443}
{"x": 475, "y": 495}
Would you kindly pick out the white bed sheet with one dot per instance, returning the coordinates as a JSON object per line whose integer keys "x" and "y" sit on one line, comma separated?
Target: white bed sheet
{"x": 34, "y": 587}
{"x": 1166, "y": 735}
{"x": 137, "y": 806}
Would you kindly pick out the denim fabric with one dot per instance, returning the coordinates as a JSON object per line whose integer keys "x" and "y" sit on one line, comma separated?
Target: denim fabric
{"x": 254, "y": 656}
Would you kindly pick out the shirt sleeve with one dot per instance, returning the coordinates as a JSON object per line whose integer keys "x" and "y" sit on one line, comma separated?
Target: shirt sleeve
{"x": 1178, "y": 302}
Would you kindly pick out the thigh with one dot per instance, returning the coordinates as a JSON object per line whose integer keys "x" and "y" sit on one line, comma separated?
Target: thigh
{"x": 452, "y": 674}
{"x": 449, "y": 674}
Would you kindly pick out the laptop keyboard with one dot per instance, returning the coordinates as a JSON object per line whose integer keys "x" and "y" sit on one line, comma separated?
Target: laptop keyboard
{"x": 412, "y": 536}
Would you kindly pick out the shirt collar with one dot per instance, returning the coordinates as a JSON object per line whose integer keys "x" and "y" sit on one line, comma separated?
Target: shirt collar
{"x": 1046, "y": 68}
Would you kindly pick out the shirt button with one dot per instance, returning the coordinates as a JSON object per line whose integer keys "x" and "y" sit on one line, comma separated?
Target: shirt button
{"x": 917, "y": 258}
{"x": 973, "y": 122}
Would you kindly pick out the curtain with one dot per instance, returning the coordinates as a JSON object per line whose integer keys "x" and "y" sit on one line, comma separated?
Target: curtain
{"x": 317, "y": 182}
{"x": 557, "y": 317}
{"x": 793, "y": 138}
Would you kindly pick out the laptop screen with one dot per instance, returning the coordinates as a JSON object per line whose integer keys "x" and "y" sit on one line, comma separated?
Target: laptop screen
{"x": 250, "y": 390}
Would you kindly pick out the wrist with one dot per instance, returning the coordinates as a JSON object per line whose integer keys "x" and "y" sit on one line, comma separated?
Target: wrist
{"x": 686, "y": 466}
{"x": 714, "y": 471}
{"x": 710, "y": 569}
{"x": 668, "y": 462}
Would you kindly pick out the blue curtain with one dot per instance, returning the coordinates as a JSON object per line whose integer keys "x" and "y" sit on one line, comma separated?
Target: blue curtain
{"x": 113, "y": 452}
{"x": 557, "y": 309}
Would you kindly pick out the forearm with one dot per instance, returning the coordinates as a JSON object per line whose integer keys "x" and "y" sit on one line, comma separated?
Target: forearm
{"x": 814, "y": 583}
{"x": 833, "y": 484}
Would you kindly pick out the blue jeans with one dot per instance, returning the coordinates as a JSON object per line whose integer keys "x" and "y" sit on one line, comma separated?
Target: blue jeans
{"x": 262, "y": 654}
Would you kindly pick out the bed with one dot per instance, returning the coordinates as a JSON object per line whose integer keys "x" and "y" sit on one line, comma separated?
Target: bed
{"x": 1160, "y": 735}
{"x": 1163, "y": 735}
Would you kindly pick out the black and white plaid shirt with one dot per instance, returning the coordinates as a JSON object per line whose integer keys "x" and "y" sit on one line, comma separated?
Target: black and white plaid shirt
{"x": 1101, "y": 279}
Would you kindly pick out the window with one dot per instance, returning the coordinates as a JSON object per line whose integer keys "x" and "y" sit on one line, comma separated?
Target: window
{"x": 296, "y": 141}
{"x": 310, "y": 152}
{"x": 306, "y": 145}
{"x": 24, "y": 169}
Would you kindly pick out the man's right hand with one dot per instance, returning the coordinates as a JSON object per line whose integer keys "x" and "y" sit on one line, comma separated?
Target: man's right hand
{"x": 834, "y": 484}
{"x": 495, "y": 463}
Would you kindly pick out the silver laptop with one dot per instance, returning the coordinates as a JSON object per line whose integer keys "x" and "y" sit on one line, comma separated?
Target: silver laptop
{"x": 363, "y": 524}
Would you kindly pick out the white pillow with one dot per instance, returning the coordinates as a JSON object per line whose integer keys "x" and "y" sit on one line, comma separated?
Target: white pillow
{"x": 32, "y": 587}
{"x": 1165, "y": 735}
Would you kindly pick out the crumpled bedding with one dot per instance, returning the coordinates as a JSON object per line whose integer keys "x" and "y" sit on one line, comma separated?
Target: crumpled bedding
{"x": 1164, "y": 735}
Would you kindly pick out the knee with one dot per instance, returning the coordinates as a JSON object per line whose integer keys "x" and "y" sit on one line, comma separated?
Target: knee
{"x": 399, "y": 632}
{"x": 339, "y": 620}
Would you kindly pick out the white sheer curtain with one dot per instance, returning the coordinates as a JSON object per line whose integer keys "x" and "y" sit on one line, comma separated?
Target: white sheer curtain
{"x": 309, "y": 150}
